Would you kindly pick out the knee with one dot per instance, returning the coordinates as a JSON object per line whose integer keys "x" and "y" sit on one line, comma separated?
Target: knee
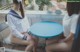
{"x": 31, "y": 43}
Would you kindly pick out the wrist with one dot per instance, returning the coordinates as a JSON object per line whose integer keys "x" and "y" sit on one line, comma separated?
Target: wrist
{"x": 24, "y": 37}
{"x": 23, "y": 33}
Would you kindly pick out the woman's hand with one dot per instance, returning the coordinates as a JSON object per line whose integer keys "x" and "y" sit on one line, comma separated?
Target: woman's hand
{"x": 29, "y": 37}
{"x": 25, "y": 33}
{"x": 63, "y": 40}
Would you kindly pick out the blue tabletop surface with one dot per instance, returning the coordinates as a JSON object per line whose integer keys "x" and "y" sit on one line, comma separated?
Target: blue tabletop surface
{"x": 46, "y": 29}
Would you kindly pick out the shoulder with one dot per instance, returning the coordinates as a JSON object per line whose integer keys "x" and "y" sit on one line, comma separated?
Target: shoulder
{"x": 9, "y": 15}
{"x": 66, "y": 16}
{"x": 11, "y": 18}
{"x": 75, "y": 17}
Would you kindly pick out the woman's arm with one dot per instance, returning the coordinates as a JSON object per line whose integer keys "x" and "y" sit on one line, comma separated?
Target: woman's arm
{"x": 69, "y": 38}
{"x": 13, "y": 27}
{"x": 72, "y": 28}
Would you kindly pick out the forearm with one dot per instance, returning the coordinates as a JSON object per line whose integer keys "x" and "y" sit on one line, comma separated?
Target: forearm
{"x": 17, "y": 34}
{"x": 25, "y": 33}
{"x": 70, "y": 37}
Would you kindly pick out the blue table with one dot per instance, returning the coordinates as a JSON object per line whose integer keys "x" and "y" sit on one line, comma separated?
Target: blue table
{"x": 46, "y": 29}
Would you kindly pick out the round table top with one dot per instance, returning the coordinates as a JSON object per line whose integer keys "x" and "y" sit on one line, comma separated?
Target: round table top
{"x": 46, "y": 29}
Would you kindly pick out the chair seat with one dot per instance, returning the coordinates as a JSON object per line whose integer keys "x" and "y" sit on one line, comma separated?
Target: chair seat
{"x": 3, "y": 26}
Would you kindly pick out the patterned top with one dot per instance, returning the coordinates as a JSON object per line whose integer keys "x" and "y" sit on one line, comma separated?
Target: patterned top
{"x": 17, "y": 25}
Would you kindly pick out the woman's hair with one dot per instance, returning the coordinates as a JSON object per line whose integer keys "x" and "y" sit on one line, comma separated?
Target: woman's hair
{"x": 73, "y": 8}
{"x": 21, "y": 7}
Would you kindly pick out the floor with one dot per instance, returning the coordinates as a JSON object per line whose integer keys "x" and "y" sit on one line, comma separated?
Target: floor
{"x": 20, "y": 48}
{"x": 11, "y": 50}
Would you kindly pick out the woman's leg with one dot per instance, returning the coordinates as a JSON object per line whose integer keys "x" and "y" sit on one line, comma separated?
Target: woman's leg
{"x": 35, "y": 43}
{"x": 34, "y": 40}
{"x": 57, "y": 47}
{"x": 54, "y": 40}
{"x": 51, "y": 41}
{"x": 29, "y": 44}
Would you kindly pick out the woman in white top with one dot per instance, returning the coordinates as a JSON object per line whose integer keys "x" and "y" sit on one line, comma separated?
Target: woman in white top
{"x": 19, "y": 25}
{"x": 69, "y": 24}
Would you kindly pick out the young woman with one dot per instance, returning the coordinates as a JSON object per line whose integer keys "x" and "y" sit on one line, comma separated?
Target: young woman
{"x": 19, "y": 25}
{"x": 69, "y": 24}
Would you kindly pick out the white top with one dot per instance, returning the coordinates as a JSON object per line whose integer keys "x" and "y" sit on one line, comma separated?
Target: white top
{"x": 70, "y": 23}
{"x": 18, "y": 25}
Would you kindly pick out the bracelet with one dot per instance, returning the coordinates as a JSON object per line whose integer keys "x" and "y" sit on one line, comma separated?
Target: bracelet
{"x": 25, "y": 38}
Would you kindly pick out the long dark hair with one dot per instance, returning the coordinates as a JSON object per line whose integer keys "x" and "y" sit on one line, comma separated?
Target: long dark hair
{"x": 21, "y": 7}
{"x": 73, "y": 8}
